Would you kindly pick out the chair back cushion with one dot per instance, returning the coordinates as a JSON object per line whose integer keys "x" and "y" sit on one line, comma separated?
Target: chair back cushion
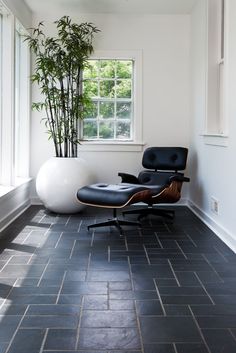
{"x": 165, "y": 158}
{"x": 148, "y": 177}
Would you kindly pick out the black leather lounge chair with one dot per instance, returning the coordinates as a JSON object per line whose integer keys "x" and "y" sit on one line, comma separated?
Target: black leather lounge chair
{"x": 163, "y": 166}
{"x": 160, "y": 183}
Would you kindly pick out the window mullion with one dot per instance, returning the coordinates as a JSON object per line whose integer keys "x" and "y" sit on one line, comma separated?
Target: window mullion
{"x": 7, "y": 131}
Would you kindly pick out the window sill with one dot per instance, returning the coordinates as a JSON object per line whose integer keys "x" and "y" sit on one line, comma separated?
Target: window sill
{"x": 6, "y": 190}
{"x": 109, "y": 146}
{"x": 215, "y": 139}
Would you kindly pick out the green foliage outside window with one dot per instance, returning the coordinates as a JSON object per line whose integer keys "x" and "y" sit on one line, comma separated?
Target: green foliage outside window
{"x": 109, "y": 85}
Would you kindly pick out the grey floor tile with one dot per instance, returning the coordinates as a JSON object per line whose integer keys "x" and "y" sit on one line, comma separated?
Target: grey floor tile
{"x": 27, "y": 341}
{"x": 159, "y": 348}
{"x": 169, "y": 329}
{"x": 109, "y": 338}
{"x": 55, "y": 321}
{"x": 61, "y": 339}
{"x": 99, "y": 293}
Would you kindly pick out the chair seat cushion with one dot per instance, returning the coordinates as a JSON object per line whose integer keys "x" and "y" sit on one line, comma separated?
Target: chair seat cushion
{"x": 114, "y": 195}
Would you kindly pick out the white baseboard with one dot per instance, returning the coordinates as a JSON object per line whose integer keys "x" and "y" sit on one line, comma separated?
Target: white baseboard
{"x": 36, "y": 201}
{"x": 14, "y": 214}
{"x": 220, "y": 231}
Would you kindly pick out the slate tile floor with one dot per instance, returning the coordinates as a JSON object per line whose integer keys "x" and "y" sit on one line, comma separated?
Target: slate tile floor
{"x": 164, "y": 288}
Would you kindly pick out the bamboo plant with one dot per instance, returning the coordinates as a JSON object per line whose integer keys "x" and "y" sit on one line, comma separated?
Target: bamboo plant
{"x": 59, "y": 63}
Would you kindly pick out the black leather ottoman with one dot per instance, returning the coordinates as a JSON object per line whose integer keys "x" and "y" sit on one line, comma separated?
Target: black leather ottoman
{"x": 113, "y": 196}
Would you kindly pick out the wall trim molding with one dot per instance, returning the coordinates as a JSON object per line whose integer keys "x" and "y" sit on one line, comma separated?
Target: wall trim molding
{"x": 14, "y": 203}
{"x": 12, "y": 216}
{"x": 220, "y": 231}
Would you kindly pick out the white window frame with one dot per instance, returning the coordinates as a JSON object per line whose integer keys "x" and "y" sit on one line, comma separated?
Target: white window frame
{"x": 21, "y": 169}
{"x": 7, "y": 89}
{"x": 8, "y": 180}
{"x": 137, "y": 139}
{"x": 216, "y": 129}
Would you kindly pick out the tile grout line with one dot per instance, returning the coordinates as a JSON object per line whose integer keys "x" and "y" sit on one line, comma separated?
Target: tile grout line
{"x": 72, "y": 249}
{"x": 199, "y": 329}
{"x": 158, "y": 240}
{"x": 146, "y": 254}
{"x": 30, "y": 259}
{"x": 7, "y": 263}
{"x": 23, "y": 242}
{"x": 218, "y": 251}
{"x": 17, "y": 328}
{"x": 139, "y": 327}
{"x": 79, "y": 324}
{"x": 44, "y": 340}
{"x": 68, "y": 219}
{"x": 174, "y": 274}
{"x": 209, "y": 296}
{"x": 5, "y": 299}
{"x": 179, "y": 247}
{"x": 189, "y": 237}
{"x": 159, "y": 296}
{"x": 126, "y": 243}
{"x": 60, "y": 289}
{"x": 230, "y": 330}
{"x": 212, "y": 267}
{"x": 41, "y": 277}
{"x": 92, "y": 238}
{"x": 80, "y": 224}
{"x": 56, "y": 245}
{"x": 130, "y": 274}
{"x": 109, "y": 253}
{"x": 175, "y": 348}
{"x": 88, "y": 266}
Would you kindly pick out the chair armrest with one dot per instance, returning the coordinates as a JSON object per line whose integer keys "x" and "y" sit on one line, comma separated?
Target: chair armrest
{"x": 180, "y": 178}
{"x": 128, "y": 178}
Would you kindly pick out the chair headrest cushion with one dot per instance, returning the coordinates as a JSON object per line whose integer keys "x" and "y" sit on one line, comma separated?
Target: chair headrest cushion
{"x": 165, "y": 158}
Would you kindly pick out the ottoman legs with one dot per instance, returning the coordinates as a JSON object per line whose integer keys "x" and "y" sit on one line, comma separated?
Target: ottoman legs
{"x": 114, "y": 222}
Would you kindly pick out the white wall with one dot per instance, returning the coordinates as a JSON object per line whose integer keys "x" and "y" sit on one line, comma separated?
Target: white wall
{"x": 164, "y": 42}
{"x": 213, "y": 168}
{"x": 21, "y": 11}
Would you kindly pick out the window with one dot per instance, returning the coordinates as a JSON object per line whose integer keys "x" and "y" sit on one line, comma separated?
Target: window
{"x": 21, "y": 111}
{"x": 109, "y": 83}
{"x": 221, "y": 69}
{"x": 216, "y": 113}
{"x": 113, "y": 82}
{"x": 1, "y": 40}
{"x": 14, "y": 95}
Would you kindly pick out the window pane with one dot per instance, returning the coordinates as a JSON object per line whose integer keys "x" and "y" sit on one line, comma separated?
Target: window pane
{"x": 17, "y": 100}
{"x": 122, "y": 130}
{"x": 90, "y": 129}
{"x": 124, "y": 69}
{"x": 107, "y": 110}
{"x": 106, "y": 130}
{"x": 123, "y": 89}
{"x": 123, "y": 110}
{"x": 21, "y": 104}
{"x": 91, "y": 111}
{"x": 108, "y": 69}
{"x": 91, "y": 70}
{"x": 108, "y": 83}
{"x": 91, "y": 88}
{"x": 107, "y": 88}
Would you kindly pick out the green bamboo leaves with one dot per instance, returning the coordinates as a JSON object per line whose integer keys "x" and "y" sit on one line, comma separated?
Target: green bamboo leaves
{"x": 59, "y": 63}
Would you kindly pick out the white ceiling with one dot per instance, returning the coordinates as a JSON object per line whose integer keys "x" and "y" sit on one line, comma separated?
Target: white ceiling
{"x": 114, "y": 6}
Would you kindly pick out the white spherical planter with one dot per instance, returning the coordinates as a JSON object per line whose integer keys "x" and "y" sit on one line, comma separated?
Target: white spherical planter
{"x": 58, "y": 181}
